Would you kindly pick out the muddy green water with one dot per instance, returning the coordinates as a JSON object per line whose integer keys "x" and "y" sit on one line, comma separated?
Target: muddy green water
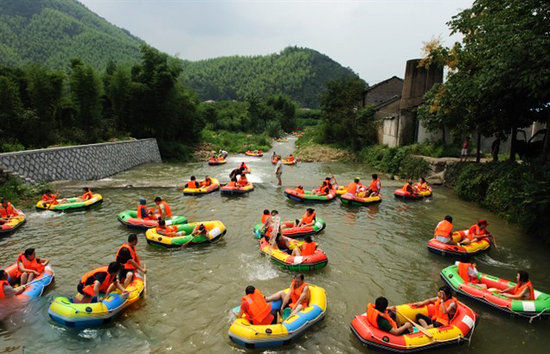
{"x": 373, "y": 251}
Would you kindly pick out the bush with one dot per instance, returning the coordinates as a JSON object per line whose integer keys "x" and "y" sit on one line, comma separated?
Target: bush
{"x": 235, "y": 141}
{"x": 394, "y": 160}
{"x": 175, "y": 151}
{"x": 15, "y": 191}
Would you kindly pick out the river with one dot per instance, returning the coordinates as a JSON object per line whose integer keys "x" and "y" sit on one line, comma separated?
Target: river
{"x": 372, "y": 251}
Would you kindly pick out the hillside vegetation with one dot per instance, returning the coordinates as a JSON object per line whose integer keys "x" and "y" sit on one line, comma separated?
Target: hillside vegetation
{"x": 299, "y": 73}
{"x": 51, "y": 32}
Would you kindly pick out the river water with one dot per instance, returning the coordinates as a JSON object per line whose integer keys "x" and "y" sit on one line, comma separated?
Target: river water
{"x": 379, "y": 250}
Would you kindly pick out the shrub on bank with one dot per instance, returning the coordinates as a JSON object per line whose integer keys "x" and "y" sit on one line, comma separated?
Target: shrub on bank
{"x": 235, "y": 141}
{"x": 396, "y": 161}
{"x": 18, "y": 193}
{"x": 520, "y": 193}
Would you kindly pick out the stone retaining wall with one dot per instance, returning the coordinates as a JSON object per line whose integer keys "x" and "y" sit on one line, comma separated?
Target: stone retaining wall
{"x": 82, "y": 162}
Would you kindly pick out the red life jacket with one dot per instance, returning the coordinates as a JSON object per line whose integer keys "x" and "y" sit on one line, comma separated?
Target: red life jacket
{"x": 34, "y": 265}
{"x": 441, "y": 317}
{"x": 463, "y": 272}
{"x": 2, "y": 283}
{"x": 372, "y": 316}
{"x": 89, "y": 289}
{"x": 7, "y": 211}
{"x": 87, "y": 195}
{"x": 352, "y": 188}
{"x": 265, "y": 217}
{"x": 308, "y": 248}
{"x": 518, "y": 289}
{"x": 373, "y": 186}
{"x": 133, "y": 253}
{"x": 191, "y": 184}
{"x": 243, "y": 181}
{"x": 295, "y": 294}
{"x": 258, "y": 309}
{"x": 167, "y": 211}
{"x": 444, "y": 229}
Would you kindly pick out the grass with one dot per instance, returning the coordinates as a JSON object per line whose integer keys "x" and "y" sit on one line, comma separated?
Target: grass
{"x": 235, "y": 142}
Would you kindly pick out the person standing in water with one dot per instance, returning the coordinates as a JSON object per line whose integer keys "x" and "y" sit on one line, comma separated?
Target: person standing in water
{"x": 279, "y": 171}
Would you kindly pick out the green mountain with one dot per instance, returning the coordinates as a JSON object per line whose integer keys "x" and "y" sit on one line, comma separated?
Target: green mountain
{"x": 53, "y": 31}
{"x": 300, "y": 73}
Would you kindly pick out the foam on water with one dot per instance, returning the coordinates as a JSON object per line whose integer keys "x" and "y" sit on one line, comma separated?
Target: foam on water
{"x": 257, "y": 269}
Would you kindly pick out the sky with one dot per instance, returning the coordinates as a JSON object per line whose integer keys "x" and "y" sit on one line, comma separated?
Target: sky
{"x": 372, "y": 37}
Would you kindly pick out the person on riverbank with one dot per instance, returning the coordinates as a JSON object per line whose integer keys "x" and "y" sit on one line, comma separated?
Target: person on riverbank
{"x": 6, "y": 290}
{"x": 7, "y": 211}
{"x": 523, "y": 290}
{"x": 98, "y": 281}
{"x": 308, "y": 219}
{"x": 444, "y": 230}
{"x": 465, "y": 148}
{"x": 129, "y": 260}
{"x": 143, "y": 212}
{"x": 279, "y": 171}
{"x": 297, "y": 298}
{"x": 385, "y": 319}
{"x": 29, "y": 266}
{"x": 306, "y": 249}
{"x": 243, "y": 181}
{"x": 163, "y": 209}
{"x": 166, "y": 230}
{"x": 255, "y": 308}
{"x": 445, "y": 307}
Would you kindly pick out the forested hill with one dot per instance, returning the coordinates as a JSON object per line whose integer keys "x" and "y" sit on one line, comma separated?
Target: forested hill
{"x": 51, "y": 32}
{"x": 300, "y": 73}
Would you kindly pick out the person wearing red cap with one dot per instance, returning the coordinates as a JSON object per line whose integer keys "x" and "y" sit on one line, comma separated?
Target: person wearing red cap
{"x": 477, "y": 232}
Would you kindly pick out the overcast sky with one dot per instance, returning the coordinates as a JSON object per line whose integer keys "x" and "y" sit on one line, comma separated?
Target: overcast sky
{"x": 372, "y": 37}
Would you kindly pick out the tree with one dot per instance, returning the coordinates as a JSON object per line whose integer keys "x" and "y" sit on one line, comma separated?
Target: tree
{"x": 499, "y": 79}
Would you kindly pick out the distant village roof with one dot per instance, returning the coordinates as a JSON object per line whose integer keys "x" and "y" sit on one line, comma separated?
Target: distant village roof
{"x": 384, "y": 92}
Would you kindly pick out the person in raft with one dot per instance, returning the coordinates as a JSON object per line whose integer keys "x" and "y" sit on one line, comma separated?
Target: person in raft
{"x": 374, "y": 186}
{"x": 300, "y": 190}
{"x": 297, "y": 298}
{"x": 523, "y": 290}
{"x": 468, "y": 272}
{"x": 7, "y": 211}
{"x": 232, "y": 183}
{"x": 308, "y": 219}
{"x": 86, "y": 195}
{"x": 408, "y": 188}
{"x": 353, "y": 187}
{"x": 306, "y": 249}
{"x": 325, "y": 187}
{"x": 244, "y": 168}
{"x": 214, "y": 158}
{"x": 163, "y": 209}
{"x": 97, "y": 281}
{"x": 29, "y": 266}
{"x": 143, "y": 212}
{"x": 445, "y": 307}
{"x": 128, "y": 258}
{"x": 206, "y": 182}
{"x": 444, "y": 231}
{"x": 222, "y": 154}
{"x": 384, "y": 318}
{"x": 192, "y": 183}
{"x": 291, "y": 158}
{"x": 476, "y": 232}
{"x": 6, "y": 290}
{"x": 200, "y": 230}
{"x": 50, "y": 198}
{"x": 255, "y": 308}
{"x": 421, "y": 185}
{"x": 243, "y": 181}
{"x": 272, "y": 224}
{"x": 236, "y": 172}
{"x": 166, "y": 230}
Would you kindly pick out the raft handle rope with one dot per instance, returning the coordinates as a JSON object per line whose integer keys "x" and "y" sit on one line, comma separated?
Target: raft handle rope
{"x": 538, "y": 315}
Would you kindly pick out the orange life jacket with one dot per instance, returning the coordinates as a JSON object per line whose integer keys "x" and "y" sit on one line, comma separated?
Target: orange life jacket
{"x": 133, "y": 253}
{"x": 444, "y": 229}
{"x": 308, "y": 248}
{"x": 7, "y": 211}
{"x": 519, "y": 288}
{"x": 372, "y": 316}
{"x": 308, "y": 219}
{"x": 373, "y": 186}
{"x": 407, "y": 187}
{"x": 2, "y": 283}
{"x": 140, "y": 210}
{"x": 265, "y": 217}
{"x": 34, "y": 265}
{"x": 167, "y": 229}
{"x": 167, "y": 211}
{"x": 352, "y": 188}
{"x": 295, "y": 294}
{"x": 207, "y": 182}
{"x": 463, "y": 272}
{"x": 191, "y": 184}
{"x": 300, "y": 190}
{"x": 50, "y": 198}
{"x": 89, "y": 289}
{"x": 475, "y": 230}
{"x": 291, "y": 158}
{"x": 243, "y": 181}
{"x": 441, "y": 317}
{"x": 258, "y": 308}
{"x": 87, "y": 195}
{"x": 232, "y": 184}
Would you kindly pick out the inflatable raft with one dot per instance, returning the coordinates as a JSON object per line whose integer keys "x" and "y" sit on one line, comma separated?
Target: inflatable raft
{"x": 203, "y": 190}
{"x": 250, "y": 153}
{"x": 524, "y": 308}
{"x": 353, "y": 200}
{"x": 400, "y": 193}
{"x": 129, "y": 218}
{"x": 294, "y": 232}
{"x": 216, "y": 162}
{"x": 244, "y": 333}
{"x": 13, "y": 223}
{"x": 65, "y": 311}
{"x": 459, "y": 330}
{"x": 341, "y": 190}
{"x": 215, "y": 231}
{"x": 307, "y": 196}
{"x": 467, "y": 250}
{"x": 237, "y": 190}
{"x": 284, "y": 259}
{"x": 71, "y": 204}
{"x": 36, "y": 287}
{"x": 286, "y": 162}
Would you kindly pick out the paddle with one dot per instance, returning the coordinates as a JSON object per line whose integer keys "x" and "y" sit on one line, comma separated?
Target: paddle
{"x": 332, "y": 175}
{"x": 417, "y": 326}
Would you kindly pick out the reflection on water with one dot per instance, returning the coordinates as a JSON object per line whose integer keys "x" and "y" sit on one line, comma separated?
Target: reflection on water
{"x": 372, "y": 251}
